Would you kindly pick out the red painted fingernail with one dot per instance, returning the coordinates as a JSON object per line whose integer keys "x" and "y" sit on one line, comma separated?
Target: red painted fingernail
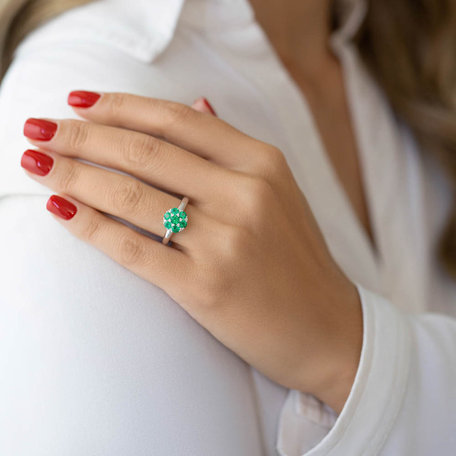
{"x": 36, "y": 162}
{"x": 61, "y": 207}
{"x": 40, "y": 129}
{"x": 209, "y": 106}
{"x": 82, "y": 99}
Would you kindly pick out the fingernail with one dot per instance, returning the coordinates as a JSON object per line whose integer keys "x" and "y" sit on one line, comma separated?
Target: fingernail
{"x": 209, "y": 106}
{"x": 82, "y": 99}
{"x": 61, "y": 207}
{"x": 40, "y": 129}
{"x": 36, "y": 162}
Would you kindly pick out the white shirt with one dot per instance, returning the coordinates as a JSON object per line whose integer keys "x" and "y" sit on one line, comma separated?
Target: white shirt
{"x": 95, "y": 360}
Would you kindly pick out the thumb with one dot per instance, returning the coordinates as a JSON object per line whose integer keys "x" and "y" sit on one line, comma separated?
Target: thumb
{"x": 202, "y": 105}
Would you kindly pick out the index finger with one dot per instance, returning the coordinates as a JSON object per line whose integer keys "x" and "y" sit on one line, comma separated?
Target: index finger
{"x": 200, "y": 133}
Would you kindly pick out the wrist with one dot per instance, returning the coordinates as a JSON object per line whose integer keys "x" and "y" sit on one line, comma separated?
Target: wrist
{"x": 340, "y": 364}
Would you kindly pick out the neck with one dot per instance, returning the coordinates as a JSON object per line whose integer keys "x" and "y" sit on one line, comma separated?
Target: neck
{"x": 297, "y": 28}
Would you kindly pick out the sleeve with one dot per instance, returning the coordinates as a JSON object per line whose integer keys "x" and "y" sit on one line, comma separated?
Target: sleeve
{"x": 403, "y": 399}
{"x": 93, "y": 359}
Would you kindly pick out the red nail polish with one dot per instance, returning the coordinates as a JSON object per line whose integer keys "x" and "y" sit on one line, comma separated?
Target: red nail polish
{"x": 36, "y": 162}
{"x": 40, "y": 129}
{"x": 61, "y": 207}
{"x": 209, "y": 106}
{"x": 82, "y": 99}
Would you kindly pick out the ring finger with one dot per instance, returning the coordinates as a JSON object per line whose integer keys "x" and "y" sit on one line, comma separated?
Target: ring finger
{"x": 114, "y": 193}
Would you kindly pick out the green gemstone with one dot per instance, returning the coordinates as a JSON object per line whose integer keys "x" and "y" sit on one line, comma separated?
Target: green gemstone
{"x": 175, "y": 220}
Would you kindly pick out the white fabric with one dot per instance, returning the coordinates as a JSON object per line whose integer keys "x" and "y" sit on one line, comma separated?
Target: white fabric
{"x": 94, "y": 360}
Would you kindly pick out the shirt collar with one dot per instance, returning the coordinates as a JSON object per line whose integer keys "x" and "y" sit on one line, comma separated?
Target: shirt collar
{"x": 140, "y": 28}
{"x": 144, "y": 28}
{"x": 351, "y": 14}
{"x": 213, "y": 13}
{"x": 148, "y": 25}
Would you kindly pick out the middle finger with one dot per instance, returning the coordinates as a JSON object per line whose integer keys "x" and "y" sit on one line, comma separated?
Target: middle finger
{"x": 152, "y": 160}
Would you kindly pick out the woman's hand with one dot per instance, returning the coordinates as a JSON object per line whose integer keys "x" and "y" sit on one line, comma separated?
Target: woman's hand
{"x": 252, "y": 266}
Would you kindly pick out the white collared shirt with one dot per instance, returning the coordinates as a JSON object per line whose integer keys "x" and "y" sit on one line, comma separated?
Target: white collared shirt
{"x": 95, "y": 360}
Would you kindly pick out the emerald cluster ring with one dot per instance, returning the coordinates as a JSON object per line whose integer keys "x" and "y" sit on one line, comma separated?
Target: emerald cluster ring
{"x": 175, "y": 220}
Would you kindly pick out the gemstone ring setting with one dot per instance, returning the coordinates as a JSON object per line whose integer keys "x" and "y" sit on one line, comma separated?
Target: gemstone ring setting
{"x": 175, "y": 220}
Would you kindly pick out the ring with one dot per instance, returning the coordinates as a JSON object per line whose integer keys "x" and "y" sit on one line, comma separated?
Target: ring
{"x": 175, "y": 220}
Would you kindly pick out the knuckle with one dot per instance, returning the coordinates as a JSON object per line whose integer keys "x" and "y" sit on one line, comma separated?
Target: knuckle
{"x": 215, "y": 279}
{"x": 209, "y": 298}
{"x": 272, "y": 161}
{"x": 138, "y": 150}
{"x": 69, "y": 178}
{"x": 91, "y": 230}
{"x": 256, "y": 194}
{"x": 275, "y": 157}
{"x": 130, "y": 250}
{"x": 127, "y": 196}
{"x": 177, "y": 113}
{"x": 211, "y": 289}
{"x": 235, "y": 241}
{"x": 77, "y": 134}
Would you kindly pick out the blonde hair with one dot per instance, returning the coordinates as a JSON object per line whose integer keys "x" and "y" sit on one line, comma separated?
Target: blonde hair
{"x": 20, "y": 17}
{"x": 408, "y": 45}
